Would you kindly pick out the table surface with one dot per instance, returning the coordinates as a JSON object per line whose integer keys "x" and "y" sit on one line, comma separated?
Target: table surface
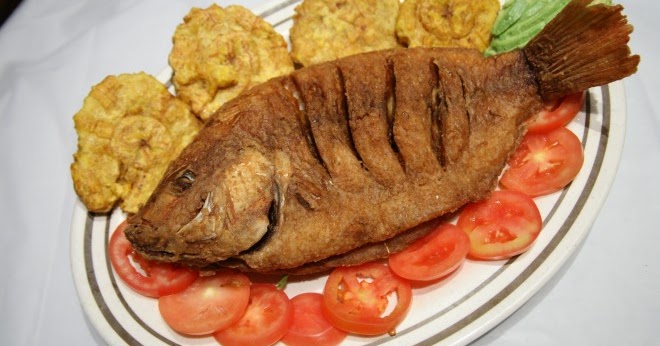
{"x": 52, "y": 52}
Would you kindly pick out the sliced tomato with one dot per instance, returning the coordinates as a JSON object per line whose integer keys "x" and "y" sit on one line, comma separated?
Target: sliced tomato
{"x": 309, "y": 326}
{"x": 209, "y": 304}
{"x": 266, "y": 319}
{"x": 544, "y": 163}
{"x": 357, "y": 299}
{"x": 501, "y": 226}
{"x": 556, "y": 113}
{"x": 159, "y": 279}
{"x": 433, "y": 256}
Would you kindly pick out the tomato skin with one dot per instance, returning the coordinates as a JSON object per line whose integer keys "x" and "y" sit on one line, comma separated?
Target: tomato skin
{"x": 503, "y": 225}
{"x": 556, "y": 113}
{"x": 162, "y": 278}
{"x": 209, "y": 304}
{"x": 544, "y": 163}
{"x": 266, "y": 319}
{"x": 433, "y": 256}
{"x": 309, "y": 326}
{"x": 355, "y": 305}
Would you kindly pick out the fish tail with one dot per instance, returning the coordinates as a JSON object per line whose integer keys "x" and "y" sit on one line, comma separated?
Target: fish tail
{"x": 582, "y": 47}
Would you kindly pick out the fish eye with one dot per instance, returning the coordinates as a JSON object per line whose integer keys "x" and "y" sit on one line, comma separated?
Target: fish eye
{"x": 184, "y": 181}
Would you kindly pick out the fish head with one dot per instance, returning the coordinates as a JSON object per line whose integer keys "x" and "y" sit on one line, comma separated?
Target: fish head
{"x": 210, "y": 205}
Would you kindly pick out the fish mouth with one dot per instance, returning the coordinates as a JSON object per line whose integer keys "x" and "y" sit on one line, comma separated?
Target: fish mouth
{"x": 140, "y": 233}
{"x": 156, "y": 242}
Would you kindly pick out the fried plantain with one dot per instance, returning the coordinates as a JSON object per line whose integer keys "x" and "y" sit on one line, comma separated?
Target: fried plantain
{"x": 447, "y": 23}
{"x": 219, "y": 52}
{"x": 129, "y": 129}
{"x": 329, "y": 29}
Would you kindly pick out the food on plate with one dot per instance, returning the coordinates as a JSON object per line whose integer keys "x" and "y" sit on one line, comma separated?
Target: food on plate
{"x": 153, "y": 279}
{"x": 447, "y": 23}
{"x": 544, "y": 162}
{"x": 265, "y": 320}
{"x": 329, "y": 29}
{"x": 219, "y": 52}
{"x": 353, "y": 152}
{"x": 520, "y": 20}
{"x": 129, "y": 129}
{"x": 501, "y": 226}
{"x": 367, "y": 252}
{"x": 309, "y": 326}
{"x": 367, "y": 299}
{"x": 556, "y": 113}
{"x": 434, "y": 256}
{"x": 209, "y": 304}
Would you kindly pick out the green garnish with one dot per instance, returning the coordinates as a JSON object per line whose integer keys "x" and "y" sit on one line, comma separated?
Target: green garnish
{"x": 520, "y": 20}
{"x": 282, "y": 283}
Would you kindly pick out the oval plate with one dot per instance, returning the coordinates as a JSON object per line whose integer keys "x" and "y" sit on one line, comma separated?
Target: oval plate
{"x": 453, "y": 311}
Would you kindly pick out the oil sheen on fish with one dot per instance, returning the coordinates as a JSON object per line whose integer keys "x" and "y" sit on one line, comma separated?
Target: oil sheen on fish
{"x": 346, "y": 161}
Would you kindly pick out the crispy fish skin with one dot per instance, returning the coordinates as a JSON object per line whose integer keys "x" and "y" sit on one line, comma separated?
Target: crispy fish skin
{"x": 447, "y": 23}
{"x": 219, "y": 52}
{"x": 325, "y": 30}
{"x": 426, "y": 184}
{"x": 129, "y": 128}
{"x": 318, "y": 168}
{"x": 313, "y": 209}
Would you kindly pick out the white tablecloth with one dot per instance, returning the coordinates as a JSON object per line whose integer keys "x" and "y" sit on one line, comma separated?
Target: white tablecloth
{"x": 52, "y": 52}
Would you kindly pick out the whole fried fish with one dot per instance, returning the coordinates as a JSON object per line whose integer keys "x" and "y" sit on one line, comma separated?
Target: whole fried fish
{"x": 335, "y": 163}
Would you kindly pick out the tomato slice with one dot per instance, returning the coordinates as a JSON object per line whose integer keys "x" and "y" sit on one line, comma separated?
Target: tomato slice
{"x": 501, "y": 226}
{"x": 356, "y": 299}
{"x": 266, "y": 319}
{"x": 161, "y": 278}
{"x": 309, "y": 326}
{"x": 556, "y": 113}
{"x": 431, "y": 257}
{"x": 209, "y": 304}
{"x": 544, "y": 163}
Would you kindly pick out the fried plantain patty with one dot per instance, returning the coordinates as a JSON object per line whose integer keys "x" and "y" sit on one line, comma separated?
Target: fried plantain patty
{"x": 129, "y": 129}
{"x": 219, "y": 52}
{"x": 329, "y": 29}
{"x": 447, "y": 23}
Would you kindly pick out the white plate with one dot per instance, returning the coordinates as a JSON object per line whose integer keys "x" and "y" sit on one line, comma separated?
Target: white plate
{"x": 454, "y": 311}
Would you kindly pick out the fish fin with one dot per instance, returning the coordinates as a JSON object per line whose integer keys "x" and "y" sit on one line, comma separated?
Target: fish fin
{"x": 582, "y": 47}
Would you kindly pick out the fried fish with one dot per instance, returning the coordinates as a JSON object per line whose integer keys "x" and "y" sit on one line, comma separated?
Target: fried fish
{"x": 332, "y": 164}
